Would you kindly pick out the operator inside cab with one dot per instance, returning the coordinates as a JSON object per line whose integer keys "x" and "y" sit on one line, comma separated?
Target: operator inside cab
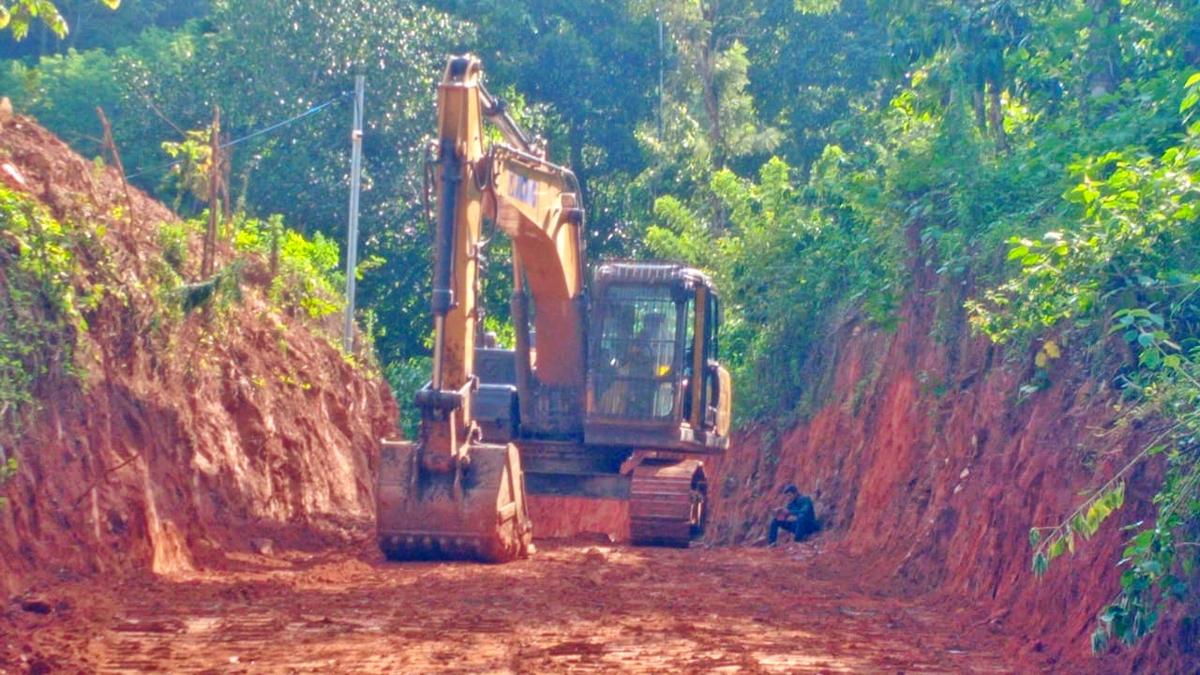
{"x": 640, "y": 361}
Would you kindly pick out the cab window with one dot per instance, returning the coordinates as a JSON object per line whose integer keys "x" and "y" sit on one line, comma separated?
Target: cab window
{"x": 633, "y": 365}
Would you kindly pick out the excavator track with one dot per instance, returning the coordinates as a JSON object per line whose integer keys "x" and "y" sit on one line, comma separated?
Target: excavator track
{"x": 667, "y": 502}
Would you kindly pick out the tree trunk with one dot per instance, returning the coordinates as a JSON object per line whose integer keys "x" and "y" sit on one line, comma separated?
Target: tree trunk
{"x": 575, "y": 138}
{"x": 1103, "y": 59}
{"x": 979, "y": 105}
{"x": 996, "y": 117}
{"x": 712, "y": 98}
{"x": 712, "y": 107}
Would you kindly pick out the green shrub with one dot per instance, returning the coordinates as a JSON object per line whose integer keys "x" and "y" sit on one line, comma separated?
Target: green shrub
{"x": 39, "y": 308}
{"x": 221, "y": 289}
{"x": 308, "y": 277}
{"x": 8, "y": 469}
{"x": 174, "y": 238}
{"x": 789, "y": 261}
{"x": 405, "y": 378}
{"x": 1122, "y": 263}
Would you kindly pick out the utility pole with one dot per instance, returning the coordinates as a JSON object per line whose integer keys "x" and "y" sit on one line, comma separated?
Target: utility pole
{"x": 661, "y": 66}
{"x": 352, "y": 233}
{"x": 209, "y": 259}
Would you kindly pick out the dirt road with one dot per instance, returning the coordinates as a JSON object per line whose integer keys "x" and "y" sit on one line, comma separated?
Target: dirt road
{"x": 574, "y": 608}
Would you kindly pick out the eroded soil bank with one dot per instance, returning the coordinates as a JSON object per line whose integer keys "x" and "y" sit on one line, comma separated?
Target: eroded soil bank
{"x": 182, "y": 434}
{"x": 924, "y": 455}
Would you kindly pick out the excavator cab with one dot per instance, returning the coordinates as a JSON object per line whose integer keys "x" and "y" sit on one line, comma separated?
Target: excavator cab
{"x": 653, "y": 376}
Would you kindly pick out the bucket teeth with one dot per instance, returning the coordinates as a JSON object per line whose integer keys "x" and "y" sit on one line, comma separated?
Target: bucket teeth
{"x": 440, "y": 548}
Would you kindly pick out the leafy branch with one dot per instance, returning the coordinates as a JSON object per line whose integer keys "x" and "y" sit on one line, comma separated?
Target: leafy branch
{"x": 1084, "y": 521}
{"x": 18, "y": 15}
{"x": 8, "y": 469}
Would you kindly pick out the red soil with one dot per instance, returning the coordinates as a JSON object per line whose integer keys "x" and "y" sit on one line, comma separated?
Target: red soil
{"x": 568, "y": 517}
{"x": 236, "y": 464}
{"x": 181, "y": 440}
{"x": 923, "y": 460}
{"x": 570, "y": 608}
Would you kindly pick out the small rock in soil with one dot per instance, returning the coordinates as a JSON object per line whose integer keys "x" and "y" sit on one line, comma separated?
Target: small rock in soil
{"x": 37, "y": 605}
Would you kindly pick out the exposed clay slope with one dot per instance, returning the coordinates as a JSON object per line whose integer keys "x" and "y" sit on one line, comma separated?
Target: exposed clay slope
{"x": 924, "y": 461}
{"x": 182, "y": 437}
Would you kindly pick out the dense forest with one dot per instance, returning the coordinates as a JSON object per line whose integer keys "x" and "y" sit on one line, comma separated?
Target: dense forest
{"x": 1044, "y": 155}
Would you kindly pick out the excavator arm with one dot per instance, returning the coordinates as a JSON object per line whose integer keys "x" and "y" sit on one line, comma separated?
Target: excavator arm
{"x": 534, "y": 203}
{"x": 449, "y": 494}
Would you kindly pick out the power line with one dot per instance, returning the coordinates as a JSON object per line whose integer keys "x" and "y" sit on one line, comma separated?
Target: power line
{"x": 311, "y": 111}
{"x": 291, "y": 120}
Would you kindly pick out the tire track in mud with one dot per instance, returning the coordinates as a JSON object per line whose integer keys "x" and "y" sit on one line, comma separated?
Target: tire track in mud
{"x": 571, "y": 608}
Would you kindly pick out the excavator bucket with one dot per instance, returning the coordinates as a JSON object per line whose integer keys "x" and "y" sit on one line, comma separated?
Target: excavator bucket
{"x": 477, "y": 514}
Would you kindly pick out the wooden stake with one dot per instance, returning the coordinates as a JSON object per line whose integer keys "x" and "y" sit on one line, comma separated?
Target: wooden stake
{"x": 226, "y": 203}
{"x": 111, "y": 145}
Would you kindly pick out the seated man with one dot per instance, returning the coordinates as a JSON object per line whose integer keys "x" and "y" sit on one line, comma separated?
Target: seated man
{"x": 798, "y": 517}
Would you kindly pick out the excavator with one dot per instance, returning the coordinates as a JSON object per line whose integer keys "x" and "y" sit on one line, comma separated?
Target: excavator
{"x": 612, "y": 391}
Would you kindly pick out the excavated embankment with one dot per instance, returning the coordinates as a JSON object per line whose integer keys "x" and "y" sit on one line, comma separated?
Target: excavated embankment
{"x": 928, "y": 466}
{"x": 218, "y": 430}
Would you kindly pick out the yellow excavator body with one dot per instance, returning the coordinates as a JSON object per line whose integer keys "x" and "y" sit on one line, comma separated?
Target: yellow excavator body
{"x": 620, "y": 398}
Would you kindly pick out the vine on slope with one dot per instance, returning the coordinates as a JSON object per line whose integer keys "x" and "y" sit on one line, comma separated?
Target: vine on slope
{"x": 40, "y": 306}
{"x": 40, "y": 310}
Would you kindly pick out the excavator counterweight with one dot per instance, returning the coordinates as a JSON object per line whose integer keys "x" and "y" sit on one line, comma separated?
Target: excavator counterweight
{"x": 612, "y": 391}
